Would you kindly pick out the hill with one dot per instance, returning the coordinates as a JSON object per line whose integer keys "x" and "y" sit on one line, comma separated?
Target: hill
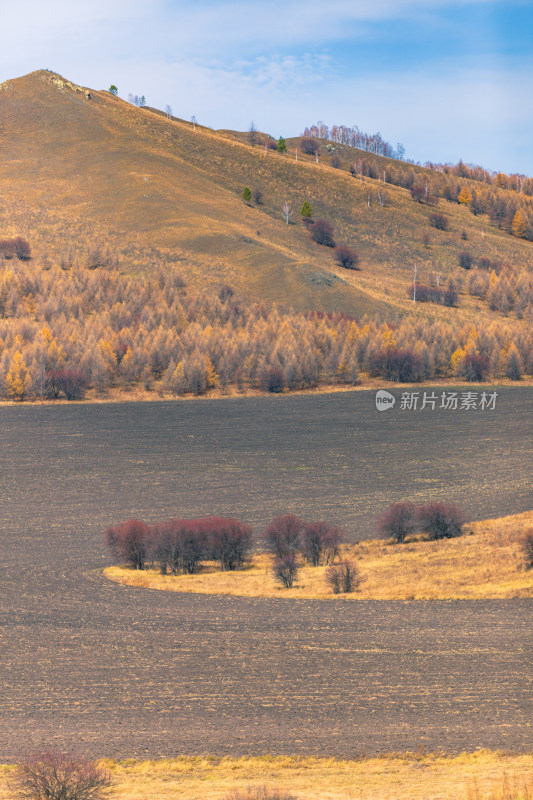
{"x": 90, "y": 179}
{"x": 100, "y": 179}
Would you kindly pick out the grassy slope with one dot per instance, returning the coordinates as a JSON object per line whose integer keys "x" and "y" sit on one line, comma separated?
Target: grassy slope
{"x": 86, "y": 172}
{"x": 82, "y": 172}
{"x": 475, "y": 776}
{"x": 485, "y": 565}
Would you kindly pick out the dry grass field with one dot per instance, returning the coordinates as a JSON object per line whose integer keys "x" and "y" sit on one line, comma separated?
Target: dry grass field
{"x": 153, "y": 191}
{"x": 486, "y": 564}
{"x": 482, "y": 775}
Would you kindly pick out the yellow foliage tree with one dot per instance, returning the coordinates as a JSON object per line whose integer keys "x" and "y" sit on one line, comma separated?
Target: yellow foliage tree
{"x": 465, "y": 196}
{"x": 212, "y": 377}
{"x": 519, "y": 225}
{"x": 18, "y": 378}
{"x": 127, "y": 364}
{"x": 46, "y": 334}
{"x": 108, "y": 354}
{"x": 456, "y": 360}
{"x": 387, "y": 337}
{"x": 55, "y": 355}
{"x": 177, "y": 381}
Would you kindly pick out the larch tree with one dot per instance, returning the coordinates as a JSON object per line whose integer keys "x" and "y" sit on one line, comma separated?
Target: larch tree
{"x": 520, "y": 224}
{"x": 18, "y": 378}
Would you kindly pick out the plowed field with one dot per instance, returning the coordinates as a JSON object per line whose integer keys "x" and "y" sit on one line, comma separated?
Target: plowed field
{"x": 123, "y": 672}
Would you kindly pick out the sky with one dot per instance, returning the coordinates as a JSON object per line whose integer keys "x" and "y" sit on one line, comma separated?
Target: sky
{"x": 449, "y": 80}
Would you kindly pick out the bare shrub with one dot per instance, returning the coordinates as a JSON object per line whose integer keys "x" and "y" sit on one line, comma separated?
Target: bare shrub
{"x": 229, "y": 542}
{"x": 310, "y": 146}
{"x": 440, "y": 520}
{"x": 282, "y": 535}
{"x": 225, "y": 293}
{"x": 285, "y": 569}
{"x": 129, "y": 541}
{"x": 180, "y": 545}
{"x": 526, "y": 543}
{"x": 476, "y": 367}
{"x": 272, "y": 379}
{"x": 19, "y": 247}
{"x": 322, "y": 233}
{"x": 427, "y": 294}
{"x": 346, "y": 257}
{"x": 67, "y": 382}
{"x": 58, "y": 776}
{"x": 466, "y": 259}
{"x": 7, "y": 248}
{"x": 396, "y": 364}
{"x": 22, "y": 248}
{"x": 320, "y": 541}
{"x": 439, "y": 221}
{"x": 343, "y": 577}
{"x": 490, "y": 264}
{"x": 451, "y": 296}
{"x": 397, "y": 521}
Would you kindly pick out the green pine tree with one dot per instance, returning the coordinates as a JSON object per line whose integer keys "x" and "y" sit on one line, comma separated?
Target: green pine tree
{"x": 246, "y": 194}
{"x": 306, "y": 212}
{"x": 281, "y": 146}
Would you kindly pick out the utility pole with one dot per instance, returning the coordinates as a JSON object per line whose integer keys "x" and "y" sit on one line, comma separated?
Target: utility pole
{"x": 415, "y": 273}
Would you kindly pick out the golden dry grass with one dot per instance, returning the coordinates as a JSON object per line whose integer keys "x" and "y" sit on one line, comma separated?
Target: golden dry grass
{"x": 483, "y": 775}
{"x": 485, "y": 564}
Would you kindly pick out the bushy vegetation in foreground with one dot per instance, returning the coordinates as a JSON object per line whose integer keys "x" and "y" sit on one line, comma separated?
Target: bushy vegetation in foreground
{"x": 53, "y": 775}
{"x": 481, "y": 775}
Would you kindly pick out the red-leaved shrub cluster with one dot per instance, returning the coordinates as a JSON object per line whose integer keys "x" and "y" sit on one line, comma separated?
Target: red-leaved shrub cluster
{"x": 180, "y": 545}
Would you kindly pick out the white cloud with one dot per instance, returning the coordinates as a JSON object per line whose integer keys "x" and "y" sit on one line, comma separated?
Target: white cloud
{"x": 181, "y": 28}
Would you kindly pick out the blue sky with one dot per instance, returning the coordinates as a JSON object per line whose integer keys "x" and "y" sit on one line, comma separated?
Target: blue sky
{"x": 449, "y": 80}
